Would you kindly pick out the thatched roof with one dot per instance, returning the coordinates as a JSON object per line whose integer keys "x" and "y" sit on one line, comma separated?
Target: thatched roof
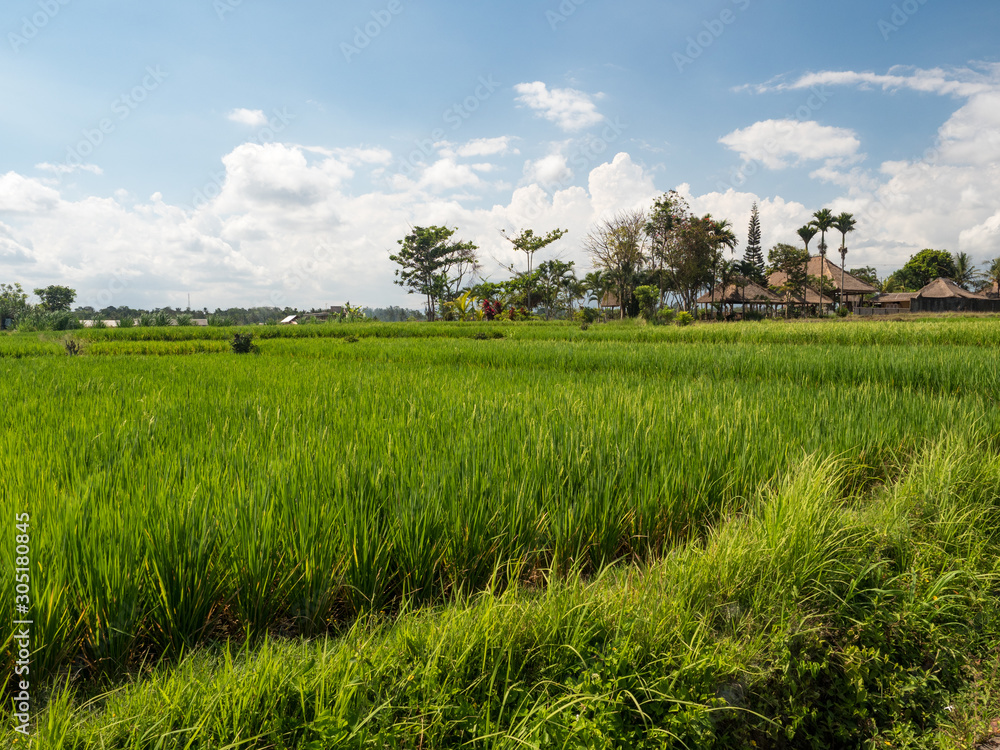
{"x": 610, "y": 299}
{"x": 895, "y": 297}
{"x": 942, "y": 288}
{"x": 778, "y": 278}
{"x": 852, "y": 284}
{"x": 737, "y": 295}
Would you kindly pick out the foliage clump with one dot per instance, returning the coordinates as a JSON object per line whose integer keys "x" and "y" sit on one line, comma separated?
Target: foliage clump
{"x": 243, "y": 344}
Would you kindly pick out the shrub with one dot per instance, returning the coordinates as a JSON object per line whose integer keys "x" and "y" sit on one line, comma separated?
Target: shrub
{"x": 161, "y": 318}
{"x": 128, "y": 322}
{"x": 243, "y": 344}
{"x": 184, "y": 319}
{"x": 648, "y": 297}
{"x": 146, "y": 320}
{"x": 843, "y": 312}
{"x": 664, "y": 316}
{"x": 73, "y": 347}
{"x": 684, "y": 318}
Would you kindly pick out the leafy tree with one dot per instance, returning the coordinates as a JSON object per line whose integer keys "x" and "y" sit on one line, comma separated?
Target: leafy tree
{"x": 556, "y": 284}
{"x": 527, "y": 242}
{"x": 596, "y": 284}
{"x": 56, "y": 298}
{"x": 669, "y": 214}
{"x": 617, "y": 246}
{"x": 648, "y": 298}
{"x": 13, "y": 303}
{"x": 923, "y": 268}
{"x": 753, "y": 256}
{"x": 432, "y": 265}
{"x": 966, "y": 275}
{"x": 867, "y": 274}
{"x": 793, "y": 263}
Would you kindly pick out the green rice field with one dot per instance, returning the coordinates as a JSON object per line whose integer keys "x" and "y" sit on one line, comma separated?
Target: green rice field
{"x": 775, "y": 534}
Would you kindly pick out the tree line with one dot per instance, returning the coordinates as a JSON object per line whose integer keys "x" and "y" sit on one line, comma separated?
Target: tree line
{"x": 646, "y": 260}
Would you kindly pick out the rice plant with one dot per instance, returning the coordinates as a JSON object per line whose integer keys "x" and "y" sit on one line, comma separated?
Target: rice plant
{"x": 748, "y": 476}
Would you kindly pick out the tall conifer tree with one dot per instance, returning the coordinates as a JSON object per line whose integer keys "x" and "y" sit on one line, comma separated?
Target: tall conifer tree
{"x": 753, "y": 257}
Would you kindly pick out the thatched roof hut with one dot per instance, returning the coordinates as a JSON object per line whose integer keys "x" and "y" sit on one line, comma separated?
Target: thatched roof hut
{"x": 735, "y": 294}
{"x": 942, "y": 288}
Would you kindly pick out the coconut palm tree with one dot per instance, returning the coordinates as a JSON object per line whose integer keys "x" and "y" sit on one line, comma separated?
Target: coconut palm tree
{"x": 844, "y": 223}
{"x": 720, "y": 235}
{"x": 993, "y": 272}
{"x": 806, "y": 234}
{"x": 966, "y": 275}
{"x": 823, "y": 221}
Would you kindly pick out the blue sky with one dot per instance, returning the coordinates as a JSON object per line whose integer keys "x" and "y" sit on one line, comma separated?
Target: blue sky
{"x": 250, "y": 152}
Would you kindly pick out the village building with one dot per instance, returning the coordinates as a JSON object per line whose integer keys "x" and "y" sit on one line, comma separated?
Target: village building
{"x": 850, "y": 290}
{"x": 748, "y": 295}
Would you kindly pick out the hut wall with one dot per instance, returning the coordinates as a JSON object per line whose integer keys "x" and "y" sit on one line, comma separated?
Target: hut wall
{"x": 955, "y": 305}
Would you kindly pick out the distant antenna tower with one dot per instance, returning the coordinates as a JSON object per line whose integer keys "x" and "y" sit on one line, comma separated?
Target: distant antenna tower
{"x": 189, "y": 300}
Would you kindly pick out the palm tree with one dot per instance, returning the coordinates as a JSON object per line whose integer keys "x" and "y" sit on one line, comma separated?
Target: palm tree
{"x": 806, "y": 234}
{"x": 720, "y": 235}
{"x": 822, "y": 220}
{"x": 844, "y": 223}
{"x": 966, "y": 274}
{"x": 993, "y": 272}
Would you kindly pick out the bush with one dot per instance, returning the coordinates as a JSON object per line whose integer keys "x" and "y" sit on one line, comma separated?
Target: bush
{"x": 684, "y": 318}
{"x": 843, "y": 312}
{"x": 146, "y": 320}
{"x": 664, "y": 316}
{"x": 648, "y": 298}
{"x": 184, "y": 319}
{"x": 128, "y": 322}
{"x": 223, "y": 321}
{"x": 73, "y": 347}
{"x": 243, "y": 344}
{"x": 587, "y": 315}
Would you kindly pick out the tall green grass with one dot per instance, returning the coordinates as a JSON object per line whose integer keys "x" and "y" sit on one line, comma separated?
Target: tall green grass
{"x": 811, "y": 620}
{"x": 325, "y": 485}
{"x": 298, "y": 489}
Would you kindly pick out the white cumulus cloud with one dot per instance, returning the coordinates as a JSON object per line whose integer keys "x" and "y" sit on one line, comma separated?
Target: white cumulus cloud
{"x": 778, "y": 144}
{"x": 252, "y": 117}
{"x": 570, "y": 109}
